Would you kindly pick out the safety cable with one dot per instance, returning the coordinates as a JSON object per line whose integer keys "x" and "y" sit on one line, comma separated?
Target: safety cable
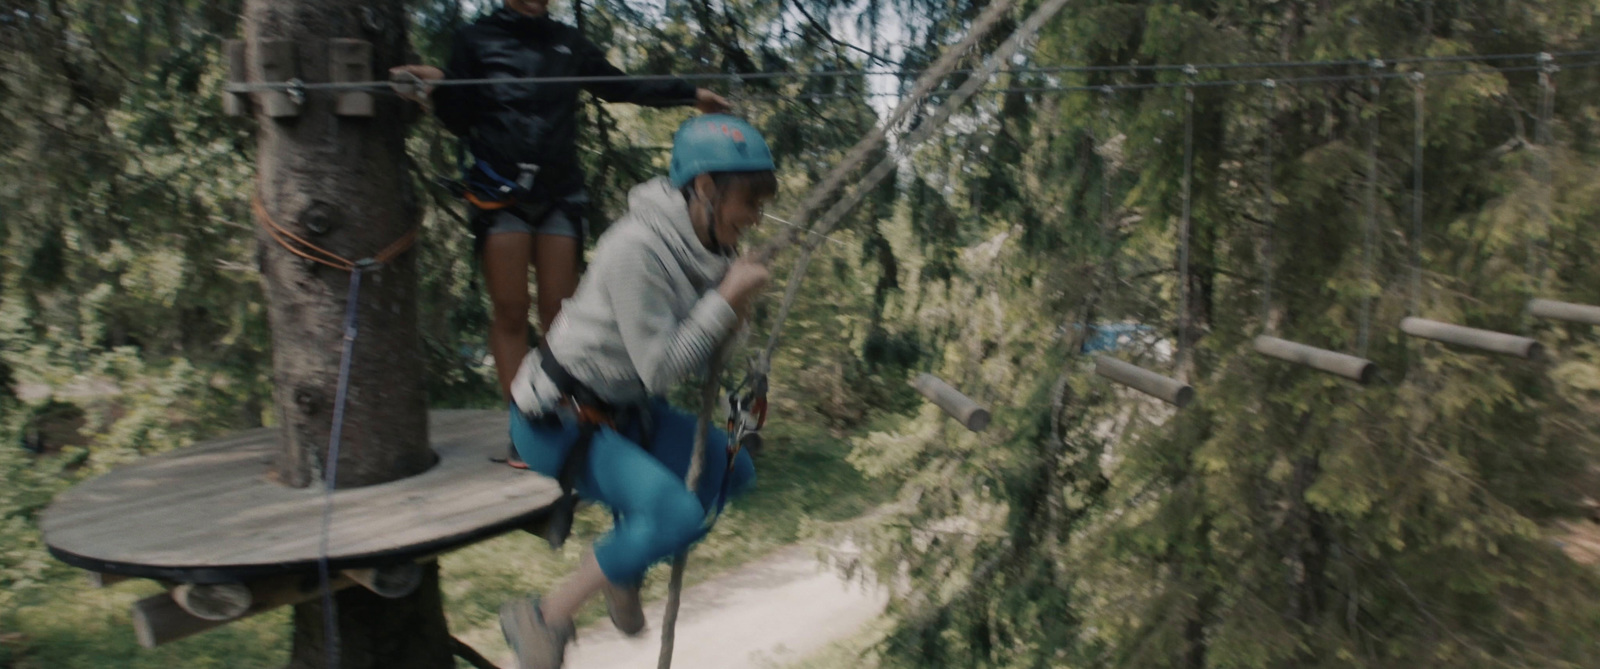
{"x": 1369, "y": 228}
{"x": 284, "y": 86}
{"x": 1180, "y": 361}
{"x": 1268, "y": 252}
{"x": 1419, "y": 106}
{"x": 1542, "y": 135}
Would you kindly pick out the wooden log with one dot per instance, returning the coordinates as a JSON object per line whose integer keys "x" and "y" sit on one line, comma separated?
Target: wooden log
{"x": 1564, "y": 311}
{"x": 216, "y": 601}
{"x": 1483, "y": 340}
{"x": 392, "y": 582}
{"x": 1356, "y": 369}
{"x": 159, "y": 619}
{"x": 100, "y": 580}
{"x": 1171, "y": 391}
{"x": 959, "y": 406}
{"x": 350, "y": 60}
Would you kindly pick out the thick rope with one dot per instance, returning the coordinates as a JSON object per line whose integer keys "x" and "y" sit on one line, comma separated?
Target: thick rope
{"x": 708, "y": 401}
{"x": 888, "y": 165}
{"x": 812, "y": 202}
{"x": 1268, "y": 251}
{"x": 1182, "y": 358}
{"x": 878, "y": 135}
{"x": 1369, "y": 231}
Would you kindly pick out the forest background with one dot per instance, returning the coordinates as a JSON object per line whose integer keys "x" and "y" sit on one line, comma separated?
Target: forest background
{"x": 1286, "y": 518}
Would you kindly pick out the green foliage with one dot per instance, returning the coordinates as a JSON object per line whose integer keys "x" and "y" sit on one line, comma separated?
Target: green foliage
{"x": 1285, "y": 519}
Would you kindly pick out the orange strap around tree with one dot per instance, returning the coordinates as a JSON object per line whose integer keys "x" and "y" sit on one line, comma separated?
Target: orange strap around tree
{"x": 305, "y": 249}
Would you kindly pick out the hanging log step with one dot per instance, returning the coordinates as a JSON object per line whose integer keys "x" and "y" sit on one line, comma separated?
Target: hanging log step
{"x": 214, "y": 601}
{"x": 392, "y": 582}
{"x": 1171, "y": 391}
{"x": 952, "y": 401}
{"x": 160, "y": 619}
{"x": 1565, "y": 311}
{"x": 1483, "y": 340}
{"x": 1356, "y": 369}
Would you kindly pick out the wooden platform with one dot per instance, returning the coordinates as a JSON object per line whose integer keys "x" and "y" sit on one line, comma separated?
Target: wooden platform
{"x": 208, "y": 514}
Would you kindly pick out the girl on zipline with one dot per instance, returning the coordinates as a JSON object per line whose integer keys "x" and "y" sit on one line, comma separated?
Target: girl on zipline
{"x": 665, "y": 289}
{"x": 525, "y": 184}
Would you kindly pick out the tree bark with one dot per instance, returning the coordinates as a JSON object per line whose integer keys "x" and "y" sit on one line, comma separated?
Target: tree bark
{"x": 341, "y": 183}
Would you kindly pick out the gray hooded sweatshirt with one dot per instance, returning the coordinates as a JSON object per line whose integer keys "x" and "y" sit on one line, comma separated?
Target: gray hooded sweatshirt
{"x": 646, "y": 315}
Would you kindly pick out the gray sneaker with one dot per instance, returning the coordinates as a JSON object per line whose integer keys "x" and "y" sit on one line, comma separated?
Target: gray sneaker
{"x": 627, "y": 612}
{"x": 535, "y": 644}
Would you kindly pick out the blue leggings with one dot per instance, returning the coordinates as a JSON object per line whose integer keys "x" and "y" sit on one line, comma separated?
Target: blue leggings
{"x": 657, "y": 517}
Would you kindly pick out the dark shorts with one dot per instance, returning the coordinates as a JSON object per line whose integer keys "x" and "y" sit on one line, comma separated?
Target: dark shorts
{"x": 558, "y": 221}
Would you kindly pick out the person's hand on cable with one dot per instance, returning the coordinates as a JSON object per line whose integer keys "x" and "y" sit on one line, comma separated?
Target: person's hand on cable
{"x": 710, "y": 103}
{"x": 426, "y": 73}
{"x": 745, "y": 279}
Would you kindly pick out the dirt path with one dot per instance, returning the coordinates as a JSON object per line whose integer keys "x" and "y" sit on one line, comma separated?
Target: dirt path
{"x": 768, "y": 613}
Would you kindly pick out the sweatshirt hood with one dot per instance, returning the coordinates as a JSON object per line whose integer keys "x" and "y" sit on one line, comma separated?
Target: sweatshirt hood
{"x": 662, "y": 209}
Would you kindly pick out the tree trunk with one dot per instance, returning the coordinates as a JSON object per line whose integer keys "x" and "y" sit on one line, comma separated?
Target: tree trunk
{"x": 341, "y": 183}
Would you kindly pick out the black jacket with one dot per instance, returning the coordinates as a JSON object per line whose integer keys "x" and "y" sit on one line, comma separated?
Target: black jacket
{"x": 507, "y": 124}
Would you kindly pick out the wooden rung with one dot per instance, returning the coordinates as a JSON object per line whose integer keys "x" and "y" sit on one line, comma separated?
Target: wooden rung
{"x": 235, "y": 104}
{"x": 392, "y": 582}
{"x": 959, "y": 406}
{"x": 214, "y": 601}
{"x": 1356, "y": 369}
{"x": 102, "y": 580}
{"x": 159, "y": 619}
{"x": 350, "y": 60}
{"x": 277, "y": 61}
{"x": 1483, "y": 340}
{"x": 1564, "y": 311}
{"x": 1171, "y": 391}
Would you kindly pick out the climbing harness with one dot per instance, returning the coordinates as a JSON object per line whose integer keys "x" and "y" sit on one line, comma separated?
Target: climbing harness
{"x": 303, "y": 248}
{"x": 591, "y": 414}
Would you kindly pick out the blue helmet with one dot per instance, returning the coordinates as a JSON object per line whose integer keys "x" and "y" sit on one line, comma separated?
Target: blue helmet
{"x": 717, "y": 143}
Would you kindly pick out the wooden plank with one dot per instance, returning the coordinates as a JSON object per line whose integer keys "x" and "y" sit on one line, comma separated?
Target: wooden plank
{"x": 213, "y": 509}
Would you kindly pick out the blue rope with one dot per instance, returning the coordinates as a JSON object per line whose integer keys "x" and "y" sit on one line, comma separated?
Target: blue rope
{"x": 330, "y": 614}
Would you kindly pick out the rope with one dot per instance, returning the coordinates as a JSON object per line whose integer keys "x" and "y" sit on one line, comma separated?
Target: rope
{"x": 837, "y": 212}
{"x": 702, "y": 427}
{"x": 1268, "y": 252}
{"x": 1419, "y": 105}
{"x": 859, "y": 153}
{"x": 330, "y": 612}
{"x": 812, "y": 202}
{"x": 375, "y": 85}
{"x": 303, "y": 248}
{"x": 1369, "y": 230}
{"x": 1181, "y": 359}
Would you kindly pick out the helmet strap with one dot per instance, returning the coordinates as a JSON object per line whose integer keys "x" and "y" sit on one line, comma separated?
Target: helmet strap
{"x": 711, "y": 223}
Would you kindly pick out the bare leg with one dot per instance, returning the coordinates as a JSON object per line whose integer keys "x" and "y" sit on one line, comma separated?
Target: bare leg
{"x": 505, "y": 272}
{"x": 555, "y": 260}
{"x": 559, "y": 605}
